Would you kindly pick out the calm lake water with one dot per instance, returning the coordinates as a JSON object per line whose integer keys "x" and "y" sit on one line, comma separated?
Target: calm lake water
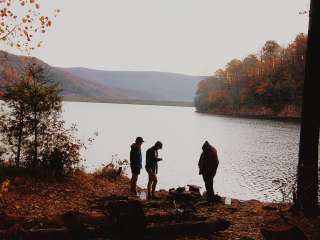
{"x": 253, "y": 153}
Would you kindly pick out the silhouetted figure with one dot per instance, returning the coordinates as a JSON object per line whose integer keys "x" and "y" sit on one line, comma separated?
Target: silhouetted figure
{"x": 208, "y": 165}
{"x": 135, "y": 163}
{"x": 152, "y": 168}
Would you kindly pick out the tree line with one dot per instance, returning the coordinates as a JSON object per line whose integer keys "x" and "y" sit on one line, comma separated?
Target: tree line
{"x": 269, "y": 81}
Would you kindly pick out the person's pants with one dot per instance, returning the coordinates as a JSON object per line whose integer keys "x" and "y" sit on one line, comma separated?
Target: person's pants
{"x": 152, "y": 182}
{"x": 208, "y": 181}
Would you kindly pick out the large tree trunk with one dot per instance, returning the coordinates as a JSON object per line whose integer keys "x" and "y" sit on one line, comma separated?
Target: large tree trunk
{"x": 307, "y": 189}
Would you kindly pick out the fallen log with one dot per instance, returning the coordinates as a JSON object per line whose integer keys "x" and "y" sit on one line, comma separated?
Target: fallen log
{"x": 209, "y": 226}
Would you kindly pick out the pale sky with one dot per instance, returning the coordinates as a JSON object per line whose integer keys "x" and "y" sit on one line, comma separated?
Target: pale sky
{"x": 184, "y": 36}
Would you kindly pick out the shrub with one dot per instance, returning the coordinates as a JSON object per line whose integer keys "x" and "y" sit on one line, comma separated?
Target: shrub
{"x": 115, "y": 169}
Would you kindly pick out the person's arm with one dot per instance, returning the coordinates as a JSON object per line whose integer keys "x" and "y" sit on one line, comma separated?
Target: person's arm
{"x": 139, "y": 158}
{"x": 200, "y": 163}
{"x": 216, "y": 161}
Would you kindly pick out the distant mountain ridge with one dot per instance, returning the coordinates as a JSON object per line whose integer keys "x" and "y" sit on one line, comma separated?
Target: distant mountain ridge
{"x": 162, "y": 86}
{"x": 98, "y": 85}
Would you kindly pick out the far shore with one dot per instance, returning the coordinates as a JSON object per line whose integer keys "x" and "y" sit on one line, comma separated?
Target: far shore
{"x": 179, "y": 104}
{"x": 128, "y": 101}
{"x": 253, "y": 116}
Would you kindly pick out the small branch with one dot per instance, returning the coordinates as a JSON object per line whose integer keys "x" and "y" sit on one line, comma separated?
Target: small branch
{"x": 8, "y": 33}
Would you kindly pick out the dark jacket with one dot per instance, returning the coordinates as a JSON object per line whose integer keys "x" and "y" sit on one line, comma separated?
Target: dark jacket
{"x": 208, "y": 162}
{"x": 135, "y": 156}
{"x": 152, "y": 159}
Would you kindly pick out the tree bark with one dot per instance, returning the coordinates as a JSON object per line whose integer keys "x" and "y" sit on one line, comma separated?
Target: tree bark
{"x": 307, "y": 189}
{"x": 21, "y": 125}
{"x": 35, "y": 154}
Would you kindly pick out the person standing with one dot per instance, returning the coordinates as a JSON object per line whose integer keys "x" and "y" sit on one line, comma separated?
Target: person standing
{"x": 135, "y": 163}
{"x": 152, "y": 160}
{"x": 208, "y": 165}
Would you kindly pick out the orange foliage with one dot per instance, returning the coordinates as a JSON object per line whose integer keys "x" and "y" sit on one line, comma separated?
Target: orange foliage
{"x": 20, "y": 21}
{"x": 29, "y": 197}
{"x": 271, "y": 79}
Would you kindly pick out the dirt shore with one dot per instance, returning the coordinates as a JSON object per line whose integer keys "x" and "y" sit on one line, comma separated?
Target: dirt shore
{"x": 41, "y": 204}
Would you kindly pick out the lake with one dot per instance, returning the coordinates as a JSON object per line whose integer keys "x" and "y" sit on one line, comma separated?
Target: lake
{"x": 253, "y": 153}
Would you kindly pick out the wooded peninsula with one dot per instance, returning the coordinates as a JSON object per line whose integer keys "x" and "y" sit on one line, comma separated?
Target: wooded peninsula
{"x": 267, "y": 84}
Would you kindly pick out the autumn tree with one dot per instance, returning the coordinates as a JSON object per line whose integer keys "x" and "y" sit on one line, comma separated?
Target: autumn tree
{"x": 33, "y": 126}
{"x": 272, "y": 80}
{"x": 12, "y": 124}
{"x": 21, "y": 21}
{"x": 43, "y": 102}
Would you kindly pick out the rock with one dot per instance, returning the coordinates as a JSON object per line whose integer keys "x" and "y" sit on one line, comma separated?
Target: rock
{"x": 76, "y": 227}
{"x": 194, "y": 188}
{"x": 14, "y": 232}
{"x": 181, "y": 189}
{"x": 283, "y": 233}
{"x": 7, "y": 221}
{"x": 179, "y": 195}
{"x": 127, "y": 217}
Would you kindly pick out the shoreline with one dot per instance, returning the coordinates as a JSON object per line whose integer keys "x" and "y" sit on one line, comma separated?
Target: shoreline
{"x": 253, "y": 116}
{"x": 292, "y": 119}
{"x": 46, "y": 203}
{"x": 130, "y": 102}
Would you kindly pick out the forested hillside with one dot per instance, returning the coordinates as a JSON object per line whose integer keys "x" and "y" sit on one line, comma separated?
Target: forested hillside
{"x": 160, "y": 86}
{"x": 12, "y": 65}
{"x": 268, "y": 83}
{"x": 82, "y": 84}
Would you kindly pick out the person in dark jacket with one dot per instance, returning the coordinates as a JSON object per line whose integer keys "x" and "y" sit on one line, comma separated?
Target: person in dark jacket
{"x": 208, "y": 165}
{"x": 135, "y": 163}
{"x": 152, "y": 160}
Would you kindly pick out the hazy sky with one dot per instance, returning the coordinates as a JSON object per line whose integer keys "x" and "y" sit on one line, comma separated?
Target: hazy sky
{"x": 185, "y": 36}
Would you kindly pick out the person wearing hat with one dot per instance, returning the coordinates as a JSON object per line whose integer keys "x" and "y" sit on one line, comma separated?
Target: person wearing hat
{"x": 135, "y": 163}
{"x": 152, "y": 168}
{"x": 208, "y": 165}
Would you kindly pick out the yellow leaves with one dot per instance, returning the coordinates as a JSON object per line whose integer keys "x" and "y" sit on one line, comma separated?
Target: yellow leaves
{"x": 17, "y": 206}
{"x": 4, "y": 188}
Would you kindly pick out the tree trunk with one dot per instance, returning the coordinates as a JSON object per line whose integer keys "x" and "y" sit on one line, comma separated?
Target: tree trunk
{"x": 21, "y": 123}
{"x": 307, "y": 189}
{"x": 35, "y": 146}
